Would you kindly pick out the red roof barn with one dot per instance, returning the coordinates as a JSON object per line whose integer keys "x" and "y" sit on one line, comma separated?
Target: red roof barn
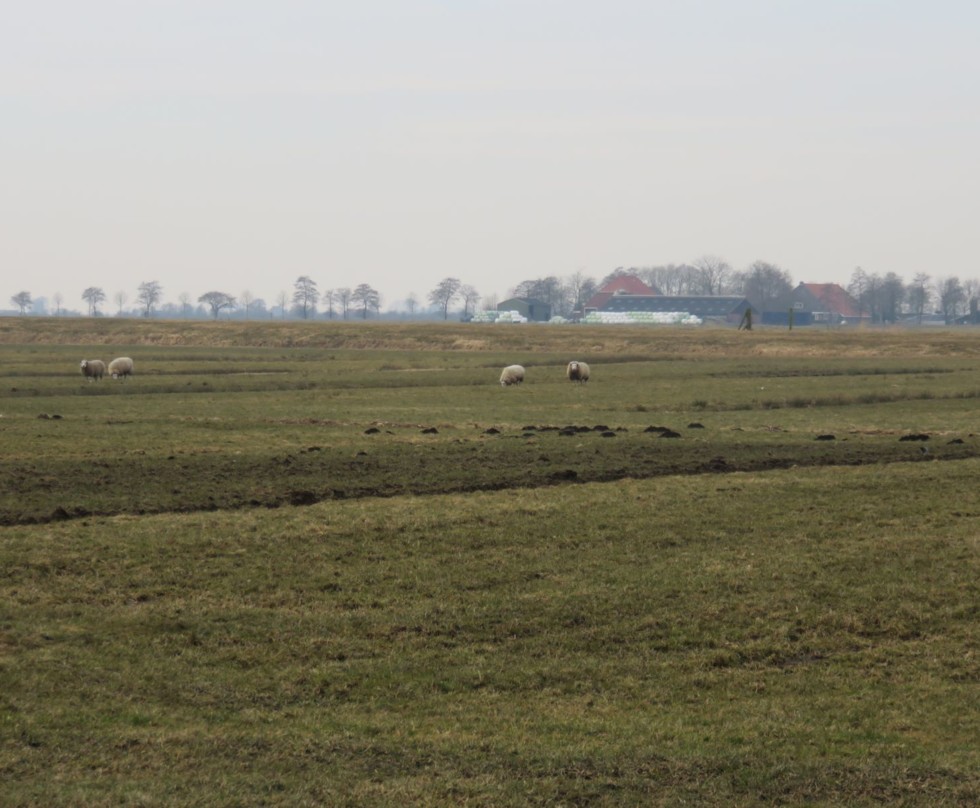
{"x": 620, "y": 285}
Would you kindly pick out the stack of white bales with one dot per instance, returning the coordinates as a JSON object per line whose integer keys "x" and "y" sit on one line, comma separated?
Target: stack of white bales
{"x": 492, "y": 316}
{"x": 642, "y": 318}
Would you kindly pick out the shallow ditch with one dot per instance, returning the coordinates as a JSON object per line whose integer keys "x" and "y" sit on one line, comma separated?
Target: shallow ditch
{"x": 422, "y": 461}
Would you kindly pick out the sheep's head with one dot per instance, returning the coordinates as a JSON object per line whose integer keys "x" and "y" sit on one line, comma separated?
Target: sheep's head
{"x": 84, "y": 364}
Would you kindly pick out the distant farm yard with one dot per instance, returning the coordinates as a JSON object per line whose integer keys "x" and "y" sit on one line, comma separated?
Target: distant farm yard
{"x": 297, "y": 563}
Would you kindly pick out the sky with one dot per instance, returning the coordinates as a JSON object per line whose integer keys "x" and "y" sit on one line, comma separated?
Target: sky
{"x": 238, "y": 145}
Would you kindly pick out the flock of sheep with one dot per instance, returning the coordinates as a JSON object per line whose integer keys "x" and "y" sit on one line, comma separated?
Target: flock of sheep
{"x": 95, "y": 369}
{"x": 514, "y": 374}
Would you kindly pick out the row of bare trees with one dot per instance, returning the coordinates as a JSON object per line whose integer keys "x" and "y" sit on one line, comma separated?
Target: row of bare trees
{"x": 363, "y": 299}
{"x": 884, "y": 298}
{"x": 148, "y": 296}
{"x": 342, "y": 302}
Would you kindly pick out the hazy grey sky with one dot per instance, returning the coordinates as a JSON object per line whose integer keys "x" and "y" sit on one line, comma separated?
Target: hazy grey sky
{"x": 211, "y": 144}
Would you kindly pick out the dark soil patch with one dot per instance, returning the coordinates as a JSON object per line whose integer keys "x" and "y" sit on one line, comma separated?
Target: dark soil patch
{"x": 61, "y": 488}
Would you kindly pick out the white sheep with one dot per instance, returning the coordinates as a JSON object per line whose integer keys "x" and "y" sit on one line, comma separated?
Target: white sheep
{"x": 578, "y": 372}
{"x": 512, "y": 374}
{"x": 121, "y": 367}
{"x": 93, "y": 369}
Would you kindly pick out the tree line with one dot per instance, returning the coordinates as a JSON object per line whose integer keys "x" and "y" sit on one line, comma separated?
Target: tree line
{"x": 887, "y": 297}
{"x": 306, "y": 301}
{"x": 884, "y": 298}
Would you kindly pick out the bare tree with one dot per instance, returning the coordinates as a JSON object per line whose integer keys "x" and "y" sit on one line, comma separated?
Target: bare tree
{"x": 217, "y": 301}
{"x": 672, "y": 279}
{"x": 858, "y": 289}
{"x": 764, "y": 284}
{"x": 444, "y": 294}
{"x": 120, "y": 299}
{"x": 281, "y": 300}
{"x": 93, "y": 296}
{"x": 891, "y": 295}
{"x": 971, "y": 291}
{"x": 470, "y": 299}
{"x": 330, "y": 297}
{"x": 184, "y": 299}
{"x": 411, "y": 304}
{"x": 873, "y": 295}
{"x": 305, "y": 296}
{"x": 712, "y": 274}
{"x": 23, "y": 301}
{"x": 549, "y": 290}
{"x": 951, "y": 295}
{"x": 580, "y": 288}
{"x": 367, "y": 297}
{"x": 148, "y": 296}
{"x": 919, "y": 295}
{"x": 344, "y": 296}
{"x": 661, "y": 278}
{"x": 58, "y": 300}
{"x": 246, "y": 298}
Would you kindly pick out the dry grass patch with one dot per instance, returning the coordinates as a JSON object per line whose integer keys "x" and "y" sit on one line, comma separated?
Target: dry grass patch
{"x": 565, "y": 340}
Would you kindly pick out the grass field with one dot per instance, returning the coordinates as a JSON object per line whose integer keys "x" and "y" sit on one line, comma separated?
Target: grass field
{"x": 304, "y": 564}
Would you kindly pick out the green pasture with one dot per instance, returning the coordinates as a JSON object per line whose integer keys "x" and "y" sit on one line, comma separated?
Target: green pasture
{"x": 307, "y": 564}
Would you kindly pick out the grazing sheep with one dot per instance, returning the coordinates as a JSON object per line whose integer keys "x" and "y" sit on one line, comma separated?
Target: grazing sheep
{"x": 512, "y": 374}
{"x": 93, "y": 369}
{"x": 121, "y": 367}
{"x": 578, "y": 372}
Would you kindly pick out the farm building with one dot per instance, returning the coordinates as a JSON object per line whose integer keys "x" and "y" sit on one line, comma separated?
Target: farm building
{"x": 816, "y": 304}
{"x": 536, "y": 311}
{"x": 620, "y": 285}
{"x": 627, "y": 293}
